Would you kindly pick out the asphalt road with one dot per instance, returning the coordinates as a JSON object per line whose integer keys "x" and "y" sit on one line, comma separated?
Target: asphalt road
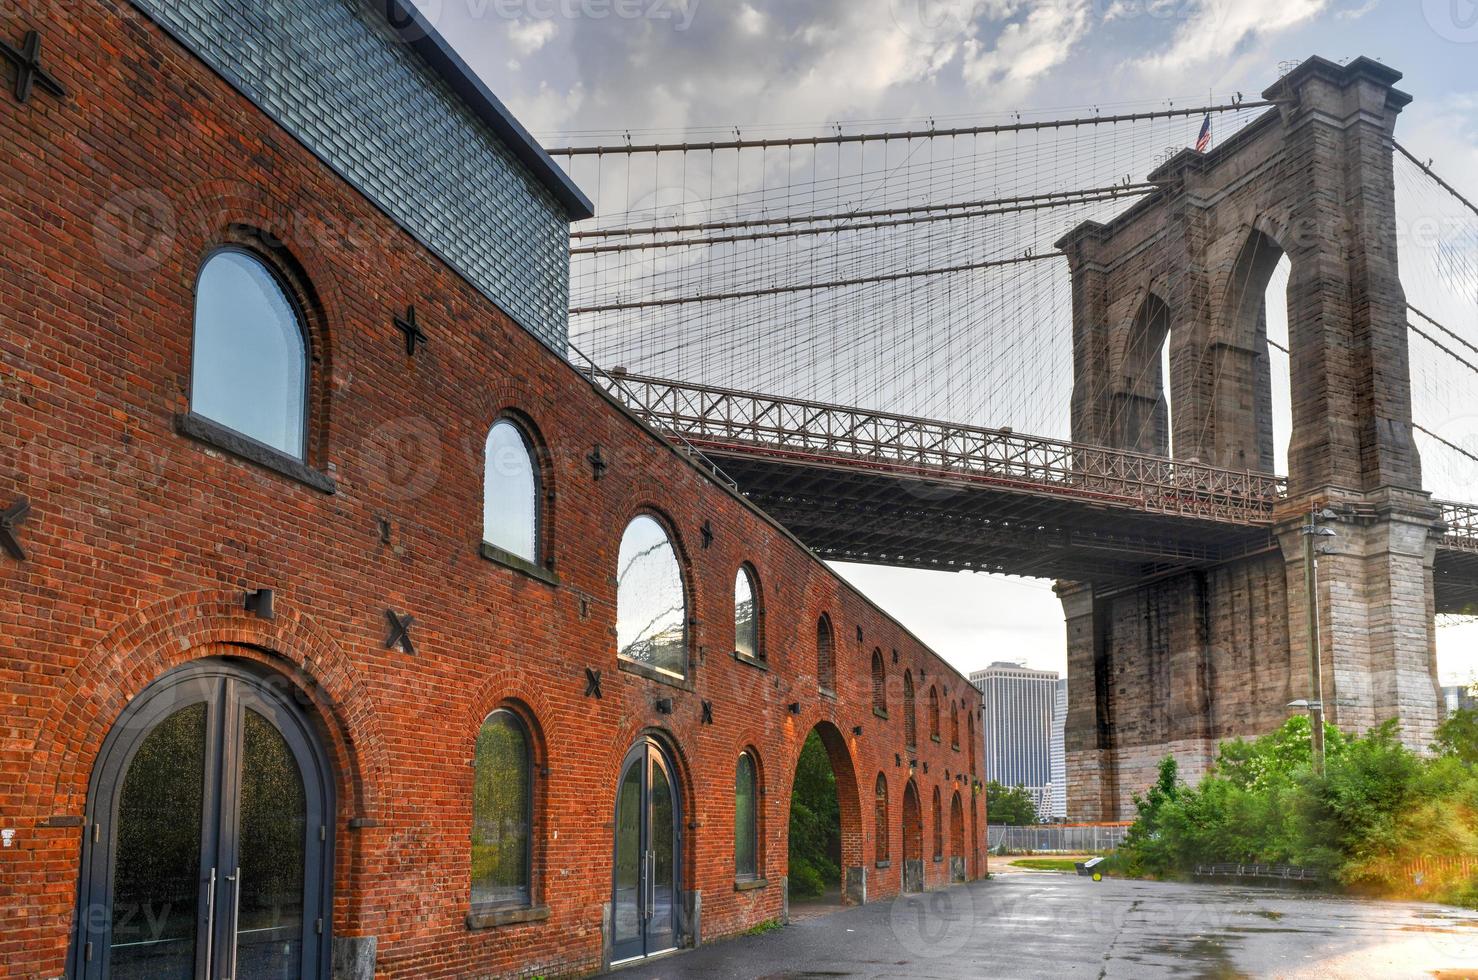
{"x": 1060, "y": 926}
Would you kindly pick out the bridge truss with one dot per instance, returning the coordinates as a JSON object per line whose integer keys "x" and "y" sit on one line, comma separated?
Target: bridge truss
{"x": 883, "y": 488}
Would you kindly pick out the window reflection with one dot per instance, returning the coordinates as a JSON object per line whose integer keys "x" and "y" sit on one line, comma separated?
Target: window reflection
{"x": 501, "y": 812}
{"x": 250, "y": 363}
{"x": 745, "y": 865}
{"x": 651, "y": 610}
{"x": 746, "y": 625}
{"x": 510, "y": 516}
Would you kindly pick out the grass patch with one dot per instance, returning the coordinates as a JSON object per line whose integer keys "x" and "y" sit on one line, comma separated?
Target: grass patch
{"x": 770, "y": 925}
{"x": 1046, "y": 864}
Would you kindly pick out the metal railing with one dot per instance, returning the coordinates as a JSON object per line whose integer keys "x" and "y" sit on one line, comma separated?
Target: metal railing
{"x": 616, "y": 386}
{"x": 1058, "y": 838}
{"x": 721, "y": 419}
{"x": 1283, "y": 872}
{"x": 1462, "y": 525}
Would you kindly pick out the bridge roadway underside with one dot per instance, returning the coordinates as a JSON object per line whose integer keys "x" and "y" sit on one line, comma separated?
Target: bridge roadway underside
{"x": 848, "y": 513}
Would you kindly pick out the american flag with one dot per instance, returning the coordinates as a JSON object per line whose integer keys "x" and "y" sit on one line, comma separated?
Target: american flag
{"x": 1203, "y": 141}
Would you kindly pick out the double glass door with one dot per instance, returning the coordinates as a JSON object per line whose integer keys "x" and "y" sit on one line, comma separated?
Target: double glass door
{"x": 207, "y": 852}
{"x": 648, "y": 822}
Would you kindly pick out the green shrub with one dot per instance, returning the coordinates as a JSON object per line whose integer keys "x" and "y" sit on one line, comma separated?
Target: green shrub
{"x": 1376, "y": 810}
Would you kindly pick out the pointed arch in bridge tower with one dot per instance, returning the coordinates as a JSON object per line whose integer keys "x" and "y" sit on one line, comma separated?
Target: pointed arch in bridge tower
{"x": 1141, "y": 411}
{"x": 1172, "y": 664}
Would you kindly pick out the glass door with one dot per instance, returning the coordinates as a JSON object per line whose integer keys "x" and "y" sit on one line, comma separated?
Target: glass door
{"x": 645, "y": 892}
{"x": 208, "y": 851}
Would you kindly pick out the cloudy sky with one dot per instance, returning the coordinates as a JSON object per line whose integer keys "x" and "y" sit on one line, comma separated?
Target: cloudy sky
{"x": 589, "y": 70}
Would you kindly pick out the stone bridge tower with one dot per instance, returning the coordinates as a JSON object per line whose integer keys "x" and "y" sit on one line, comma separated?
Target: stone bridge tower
{"x": 1178, "y": 663}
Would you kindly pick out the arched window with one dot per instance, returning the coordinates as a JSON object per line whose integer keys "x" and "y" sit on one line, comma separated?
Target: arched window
{"x": 502, "y": 812}
{"x": 970, "y": 734}
{"x": 249, "y": 368}
{"x": 879, "y": 684}
{"x": 938, "y": 827}
{"x": 510, "y": 492}
{"x": 746, "y": 615}
{"x": 880, "y": 818}
{"x": 956, "y": 827}
{"x": 954, "y": 726}
{"x": 826, "y": 674}
{"x": 910, "y": 720}
{"x": 746, "y": 822}
{"x": 933, "y": 714}
{"x": 651, "y": 603}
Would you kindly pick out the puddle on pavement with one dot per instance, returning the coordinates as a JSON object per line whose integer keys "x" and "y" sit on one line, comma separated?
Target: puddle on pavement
{"x": 1204, "y": 957}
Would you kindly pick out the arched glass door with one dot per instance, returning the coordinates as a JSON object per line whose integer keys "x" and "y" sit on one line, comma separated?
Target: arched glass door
{"x": 208, "y": 849}
{"x": 648, "y": 826}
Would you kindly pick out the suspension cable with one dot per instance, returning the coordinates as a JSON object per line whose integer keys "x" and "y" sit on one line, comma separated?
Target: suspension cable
{"x": 833, "y": 229}
{"x": 812, "y": 286}
{"x": 1450, "y": 445}
{"x": 1125, "y": 189}
{"x": 1431, "y": 173}
{"x": 1017, "y": 127}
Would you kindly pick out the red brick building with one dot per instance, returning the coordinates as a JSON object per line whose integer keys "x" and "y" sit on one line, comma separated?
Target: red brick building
{"x": 261, "y": 666}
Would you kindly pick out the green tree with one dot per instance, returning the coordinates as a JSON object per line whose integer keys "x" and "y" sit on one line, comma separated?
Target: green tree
{"x": 815, "y": 823}
{"x": 1458, "y": 737}
{"x": 1011, "y": 806}
{"x": 1377, "y": 810}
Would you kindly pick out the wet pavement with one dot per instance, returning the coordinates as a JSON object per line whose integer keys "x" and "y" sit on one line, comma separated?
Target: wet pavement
{"x": 1026, "y": 924}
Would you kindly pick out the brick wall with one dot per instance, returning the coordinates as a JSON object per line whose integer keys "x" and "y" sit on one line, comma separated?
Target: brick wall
{"x": 142, "y": 541}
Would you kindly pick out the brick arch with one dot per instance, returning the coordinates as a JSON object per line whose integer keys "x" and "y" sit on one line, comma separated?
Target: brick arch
{"x": 209, "y": 213}
{"x": 644, "y": 504}
{"x": 912, "y": 812}
{"x": 956, "y": 826}
{"x": 826, "y": 653}
{"x": 512, "y": 690}
{"x": 472, "y": 446}
{"x": 634, "y": 727}
{"x": 849, "y": 791}
{"x": 175, "y": 631}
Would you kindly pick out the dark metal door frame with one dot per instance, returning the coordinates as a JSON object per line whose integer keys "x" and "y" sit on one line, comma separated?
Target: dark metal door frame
{"x": 226, "y": 688}
{"x": 650, "y": 755}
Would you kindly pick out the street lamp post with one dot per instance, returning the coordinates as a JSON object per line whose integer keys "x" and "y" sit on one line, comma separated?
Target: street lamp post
{"x": 1311, "y": 531}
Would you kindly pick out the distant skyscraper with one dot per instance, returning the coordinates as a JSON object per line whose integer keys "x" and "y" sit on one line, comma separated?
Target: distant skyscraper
{"x": 1454, "y": 697}
{"x": 1057, "y": 753}
{"x": 1017, "y": 721}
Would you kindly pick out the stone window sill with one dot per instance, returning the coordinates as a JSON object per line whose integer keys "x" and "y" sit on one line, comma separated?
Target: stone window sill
{"x": 495, "y": 917}
{"x": 827, "y": 692}
{"x": 879, "y": 712}
{"x": 754, "y": 662}
{"x": 653, "y": 674}
{"x": 202, "y": 429}
{"x": 939, "y": 858}
{"x": 509, "y": 560}
{"x": 750, "y": 884}
{"x": 934, "y": 739}
{"x": 882, "y": 864}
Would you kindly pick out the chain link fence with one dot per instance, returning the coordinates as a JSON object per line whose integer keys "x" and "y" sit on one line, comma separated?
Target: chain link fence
{"x": 1061, "y": 838}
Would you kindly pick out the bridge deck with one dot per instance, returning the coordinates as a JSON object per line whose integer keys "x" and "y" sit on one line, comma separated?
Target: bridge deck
{"x": 857, "y": 485}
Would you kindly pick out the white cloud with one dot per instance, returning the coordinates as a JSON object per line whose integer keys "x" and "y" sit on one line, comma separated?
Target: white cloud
{"x": 1355, "y": 13}
{"x": 529, "y": 36}
{"x": 1216, "y": 29}
{"x": 1025, "y": 48}
{"x": 751, "y": 21}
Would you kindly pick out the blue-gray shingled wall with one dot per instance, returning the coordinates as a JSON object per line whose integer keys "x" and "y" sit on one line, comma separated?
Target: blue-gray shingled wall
{"x": 334, "y": 75}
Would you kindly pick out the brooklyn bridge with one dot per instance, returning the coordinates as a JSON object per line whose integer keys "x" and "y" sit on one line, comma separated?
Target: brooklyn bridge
{"x": 1181, "y": 468}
